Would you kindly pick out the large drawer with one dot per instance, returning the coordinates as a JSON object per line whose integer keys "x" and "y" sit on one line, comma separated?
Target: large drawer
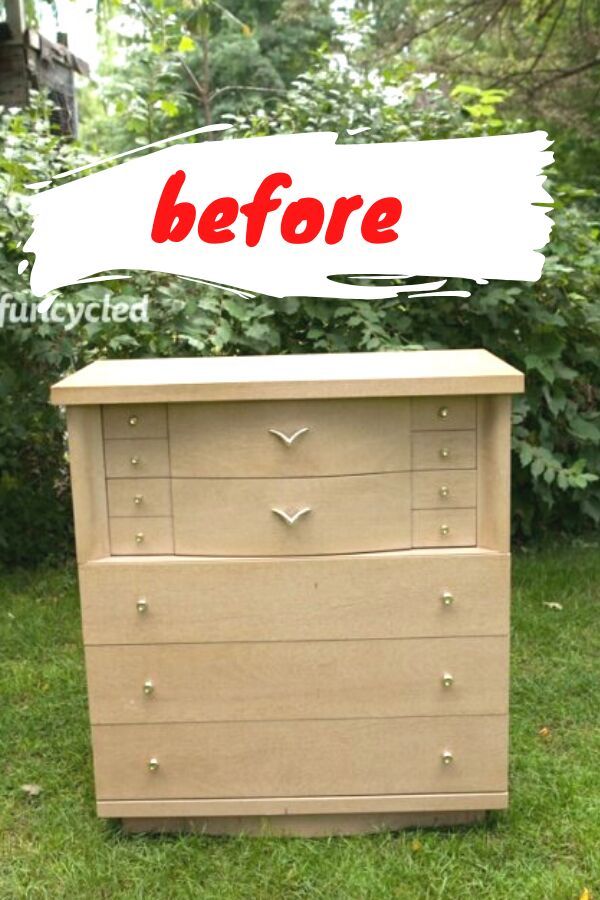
{"x": 291, "y": 516}
{"x": 296, "y": 759}
{"x": 291, "y": 438}
{"x": 406, "y": 594}
{"x": 299, "y": 680}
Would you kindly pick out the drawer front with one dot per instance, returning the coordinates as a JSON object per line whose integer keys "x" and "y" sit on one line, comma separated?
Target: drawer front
{"x": 444, "y": 527}
{"x": 302, "y": 437}
{"x": 443, "y": 450}
{"x": 299, "y": 680}
{"x": 295, "y": 516}
{"x": 144, "y": 420}
{"x": 444, "y": 489}
{"x": 139, "y": 496}
{"x": 140, "y": 536}
{"x": 299, "y": 759}
{"x": 378, "y": 596}
{"x": 137, "y": 458}
{"x": 443, "y": 413}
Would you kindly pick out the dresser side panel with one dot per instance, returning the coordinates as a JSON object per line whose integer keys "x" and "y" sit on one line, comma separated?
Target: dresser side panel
{"x": 88, "y": 482}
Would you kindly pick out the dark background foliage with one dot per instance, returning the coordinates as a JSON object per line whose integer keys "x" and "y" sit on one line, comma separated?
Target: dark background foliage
{"x": 406, "y": 72}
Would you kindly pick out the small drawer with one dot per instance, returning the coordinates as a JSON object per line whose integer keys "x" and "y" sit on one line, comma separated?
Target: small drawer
{"x": 445, "y": 489}
{"x": 133, "y": 536}
{"x": 444, "y": 528}
{"x": 147, "y": 420}
{"x": 450, "y": 450}
{"x": 443, "y": 413}
{"x": 144, "y": 458}
{"x": 139, "y": 496}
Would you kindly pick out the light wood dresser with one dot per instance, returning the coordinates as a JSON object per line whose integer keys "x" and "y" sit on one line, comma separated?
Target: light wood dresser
{"x": 295, "y": 587}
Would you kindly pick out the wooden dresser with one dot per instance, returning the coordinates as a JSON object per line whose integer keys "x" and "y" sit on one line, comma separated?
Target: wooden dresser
{"x": 295, "y": 587}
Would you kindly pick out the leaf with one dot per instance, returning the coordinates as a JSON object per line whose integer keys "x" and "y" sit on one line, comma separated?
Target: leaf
{"x": 545, "y": 733}
{"x": 585, "y": 895}
{"x": 186, "y": 44}
{"x": 31, "y": 790}
{"x": 416, "y": 846}
{"x": 552, "y": 605}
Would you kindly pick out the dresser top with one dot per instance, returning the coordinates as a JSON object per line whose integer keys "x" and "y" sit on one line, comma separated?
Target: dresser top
{"x": 326, "y": 375}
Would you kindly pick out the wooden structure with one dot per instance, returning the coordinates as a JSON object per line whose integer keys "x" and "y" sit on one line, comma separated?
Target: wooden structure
{"x": 30, "y": 61}
{"x": 295, "y": 588}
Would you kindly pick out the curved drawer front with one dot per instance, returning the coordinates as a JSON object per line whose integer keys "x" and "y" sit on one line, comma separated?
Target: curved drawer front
{"x": 299, "y": 680}
{"x": 291, "y": 438}
{"x": 299, "y": 759}
{"x": 291, "y": 516}
{"x": 389, "y": 595}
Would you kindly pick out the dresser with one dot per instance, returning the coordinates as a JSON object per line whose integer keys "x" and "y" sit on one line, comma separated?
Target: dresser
{"x": 295, "y": 585}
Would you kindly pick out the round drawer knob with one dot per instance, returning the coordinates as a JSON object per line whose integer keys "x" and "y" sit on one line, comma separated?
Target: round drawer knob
{"x": 138, "y": 499}
{"x": 447, "y": 598}
{"x": 443, "y": 412}
{"x": 135, "y": 460}
{"x": 153, "y": 764}
{"x": 141, "y": 605}
{"x": 139, "y": 538}
{"x": 444, "y": 491}
{"x": 133, "y": 420}
{"x": 447, "y": 757}
{"x": 444, "y": 530}
{"x": 148, "y": 687}
{"x": 444, "y": 452}
{"x": 447, "y": 679}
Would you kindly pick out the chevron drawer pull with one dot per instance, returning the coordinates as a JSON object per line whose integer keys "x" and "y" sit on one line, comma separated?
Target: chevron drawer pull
{"x": 291, "y": 518}
{"x": 288, "y": 440}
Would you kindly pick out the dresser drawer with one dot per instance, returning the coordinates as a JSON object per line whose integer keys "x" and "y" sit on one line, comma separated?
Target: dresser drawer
{"x": 443, "y": 413}
{"x": 137, "y": 458}
{"x": 444, "y": 528}
{"x": 141, "y": 536}
{"x": 444, "y": 489}
{"x": 387, "y": 595}
{"x": 298, "y": 680}
{"x": 144, "y": 420}
{"x": 302, "y": 437}
{"x": 443, "y": 450}
{"x": 299, "y": 759}
{"x": 139, "y": 496}
{"x": 291, "y": 516}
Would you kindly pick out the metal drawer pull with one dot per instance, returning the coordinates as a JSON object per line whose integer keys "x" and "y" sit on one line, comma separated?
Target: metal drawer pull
{"x": 139, "y": 537}
{"x": 444, "y": 491}
{"x": 443, "y": 412}
{"x": 294, "y": 517}
{"x": 444, "y": 530}
{"x": 447, "y": 757}
{"x": 148, "y": 687}
{"x": 133, "y": 420}
{"x": 135, "y": 460}
{"x": 447, "y": 598}
{"x": 138, "y": 499}
{"x": 444, "y": 452}
{"x": 141, "y": 605}
{"x": 153, "y": 764}
{"x": 288, "y": 440}
{"x": 447, "y": 679}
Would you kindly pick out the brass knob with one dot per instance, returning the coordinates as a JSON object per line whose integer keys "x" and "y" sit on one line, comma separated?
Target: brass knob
{"x": 133, "y": 420}
{"x": 148, "y": 687}
{"x": 153, "y": 764}
{"x": 447, "y": 598}
{"x": 141, "y": 605}
{"x": 443, "y": 412}
{"x": 139, "y": 537}
{"x": 444, "y": 491}
{"x": 138, "y": 499}
{"x": 447, "y": 757}
{"x": 447, "y": 679}
{"x": 444, "y": 530}
{"x": 135, "y": 460}
{"x": 444, "y": 452}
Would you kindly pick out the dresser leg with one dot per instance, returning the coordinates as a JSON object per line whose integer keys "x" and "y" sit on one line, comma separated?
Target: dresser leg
{"x": 303, "y": 825}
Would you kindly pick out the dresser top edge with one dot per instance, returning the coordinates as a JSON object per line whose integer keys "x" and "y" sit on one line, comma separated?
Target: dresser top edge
{"x": 285, "y": 377}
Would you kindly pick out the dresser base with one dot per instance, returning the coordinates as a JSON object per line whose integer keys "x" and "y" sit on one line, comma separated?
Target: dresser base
{"x": 302, "y": 825}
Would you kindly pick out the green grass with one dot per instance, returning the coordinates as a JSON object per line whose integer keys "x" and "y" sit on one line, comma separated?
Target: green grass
{"x": 545, "y": 847}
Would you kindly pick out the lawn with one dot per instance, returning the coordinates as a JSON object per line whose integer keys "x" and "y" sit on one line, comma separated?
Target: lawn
{"x": 545, "y": 847}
